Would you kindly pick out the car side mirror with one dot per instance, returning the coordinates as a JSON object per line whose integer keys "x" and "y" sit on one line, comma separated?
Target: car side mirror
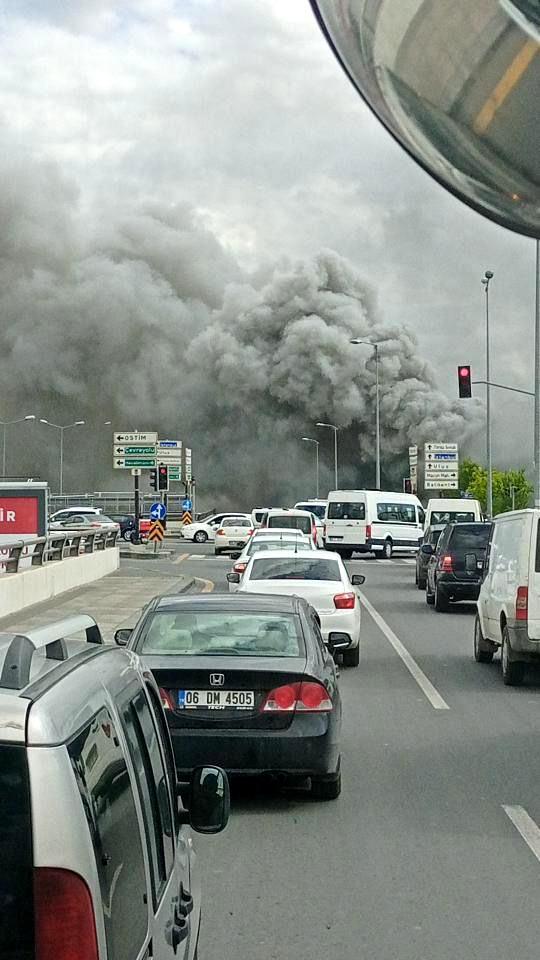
{"x": 209, "y": 800}
{"x": 358, "y": 579}
{"x": 233, "y": 577}
{"x": 427, "y": 549}
{"x": 121, "y": 637}
{"x": 337, "y": 642}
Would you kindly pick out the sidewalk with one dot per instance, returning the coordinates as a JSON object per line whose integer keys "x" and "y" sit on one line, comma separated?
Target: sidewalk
{"x": 114, "y": 601}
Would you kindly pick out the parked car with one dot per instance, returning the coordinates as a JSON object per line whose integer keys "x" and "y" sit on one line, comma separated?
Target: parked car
{"x": 67, "y": 512}
{"x": 127, "y": 524}
{"x": 97, "y": 862}
{"x": 443, "y": 510}
{"x": 372, "y": 521}
{"x": 246, "y": 682}
{"x": 203, "y": 531}
{"x": 431, "y": 536}
{"x": 456, "y": 564}
{"x": 264, "y": 540}
{"x": 321, "y": 579}
{"x": 93, "y": 523}
{"x": 508, "y": 617}
{"x": 232, "y": 535}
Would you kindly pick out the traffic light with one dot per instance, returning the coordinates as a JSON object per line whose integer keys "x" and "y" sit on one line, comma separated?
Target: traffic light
{"x": 163, "y": 478}
{"x": 153, "y": 479}
{"x": 464, "y": 381}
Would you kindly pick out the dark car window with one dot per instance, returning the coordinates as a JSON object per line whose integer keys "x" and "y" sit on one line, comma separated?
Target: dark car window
{"x": 291, "y": 523}
{"x": 235, "y": 522}
{"x": 346, "y": 511}
{"x": 452, "y": 516}
{"x": 16, "y": 916}
{"x": 433, "y": 537}
{"x": 396, "y": 512}
{"x": 107, "y": 795}
{"x": 319, "y": 509}
{"x": 238, "y": 633}
{"x": 469, "y": 539}
{"x": 294, "y": 568}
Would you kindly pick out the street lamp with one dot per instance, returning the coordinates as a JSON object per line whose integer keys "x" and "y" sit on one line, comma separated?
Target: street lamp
{"x": 316, "y": 442}
{"x": 332, "y": 426}
{"x": 489, "y": 499}
{"x": 57, "y": 426}
{"x": 9, "y": 423}
{"x": 377, "y": 412}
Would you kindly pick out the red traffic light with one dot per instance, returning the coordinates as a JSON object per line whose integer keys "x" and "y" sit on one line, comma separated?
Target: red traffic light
{"x": 464, "y": 382}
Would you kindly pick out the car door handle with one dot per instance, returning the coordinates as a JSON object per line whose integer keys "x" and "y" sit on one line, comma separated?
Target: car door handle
{"x": 185, "y": 906}
{"x": 179, "y": 931}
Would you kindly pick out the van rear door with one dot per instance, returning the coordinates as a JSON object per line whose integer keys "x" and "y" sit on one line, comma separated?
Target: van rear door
{"x": 345, "y": 523}
{"x": 533, "y": 617}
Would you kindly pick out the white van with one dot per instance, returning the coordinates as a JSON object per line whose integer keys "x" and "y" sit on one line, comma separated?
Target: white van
{"x": 508, "y": 616}
{"x": 452, "y": 510}
{"x": 292, "y": 520}
{"x": 372, "y": 521}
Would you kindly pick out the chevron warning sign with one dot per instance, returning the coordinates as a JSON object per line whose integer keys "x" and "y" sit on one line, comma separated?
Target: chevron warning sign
{"x": 156, "y": 532}
{"x": 186, "y": 517}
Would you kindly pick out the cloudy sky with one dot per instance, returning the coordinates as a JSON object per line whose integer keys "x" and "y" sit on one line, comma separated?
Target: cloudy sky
{"x": 236, "y": 111}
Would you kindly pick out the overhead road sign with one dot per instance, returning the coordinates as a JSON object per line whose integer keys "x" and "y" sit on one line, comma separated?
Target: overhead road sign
{"x": 127, "y": 463}
{"x": 138, "y": 438}
{"x": 149, "y": 450}
{"x": 170, "y": 444}
{"x": 441, "y": 484}
{"x": 413, "y": 451}
{"x": 175, "y": 474}
{"x": 158, "y": 511}
{"x": 441, "y": 448}
{"x": 187, "y": 464}
{"x": 441, "y": 456}
{"x": 441, "y": 466}
{"x": 156, "y": 532}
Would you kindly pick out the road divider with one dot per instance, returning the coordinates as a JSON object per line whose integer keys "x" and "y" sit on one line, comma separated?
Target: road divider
{"x": 526, "y": 826}
{"x": 426, "y": 686}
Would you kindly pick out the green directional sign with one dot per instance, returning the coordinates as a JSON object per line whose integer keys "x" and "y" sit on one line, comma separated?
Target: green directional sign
{"x": 148, "y": 451}
{"x": 128, "y": 463}
{"x": 175, "y": 473}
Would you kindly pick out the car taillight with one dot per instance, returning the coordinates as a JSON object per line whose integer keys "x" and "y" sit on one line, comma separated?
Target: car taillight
{"x": 368, "y": 531}
{"x": 324, "y": 530}
{"x": 64, "y": 923}
{"x": 239, "y": 567}
{"x": 446, "y": 564}
{"x": 306, "y": 696}
{"x": 522, "y": 603}
{"x": 344, "y": 601}
{"x": 220, "y": 533}
{"x": 166, "y": 699}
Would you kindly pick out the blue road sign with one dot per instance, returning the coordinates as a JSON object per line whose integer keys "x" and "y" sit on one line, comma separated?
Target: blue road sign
{"x": 187, "y": 504}
{"x": 158, "y": 511}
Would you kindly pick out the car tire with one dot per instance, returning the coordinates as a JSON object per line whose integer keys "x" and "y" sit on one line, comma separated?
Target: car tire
{"x": 326, "y": 788}
{"x": 127, "y": 535}
{"x": 422, "y": 584}
{"x": 346, "y": 554}
{"x": 217, "y": 553}
{"x": 387, "y": 550}
{"x": 482, "y": 654}
{"x": 430, "y": 597}
{"x": 512, "y": 670}
{"x": 201, "y": 536}
{"x": 351, "y": 658}
{"x": 441, "y": 602}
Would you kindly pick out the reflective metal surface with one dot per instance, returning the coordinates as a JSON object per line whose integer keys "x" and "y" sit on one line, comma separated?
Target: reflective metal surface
{"x": 457, "y": 82}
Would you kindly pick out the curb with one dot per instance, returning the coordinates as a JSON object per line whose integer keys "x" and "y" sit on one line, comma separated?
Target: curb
{"x": 162, "y": 555}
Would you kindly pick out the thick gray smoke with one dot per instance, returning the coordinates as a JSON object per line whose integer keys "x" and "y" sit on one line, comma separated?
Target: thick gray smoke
{"x": 144, "y": 319}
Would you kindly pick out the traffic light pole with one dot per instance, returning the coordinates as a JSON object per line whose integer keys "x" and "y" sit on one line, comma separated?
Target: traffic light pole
{"x": 489, "y": 497}
{"x": 137, "y": 505}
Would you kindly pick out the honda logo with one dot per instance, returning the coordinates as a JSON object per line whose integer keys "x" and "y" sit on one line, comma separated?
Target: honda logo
{"x": 217, "y": 679}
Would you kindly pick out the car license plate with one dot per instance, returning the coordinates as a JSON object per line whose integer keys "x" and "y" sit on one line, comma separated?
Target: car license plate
{"x": 236, "y": 543}
{"x": 216, "y": 699}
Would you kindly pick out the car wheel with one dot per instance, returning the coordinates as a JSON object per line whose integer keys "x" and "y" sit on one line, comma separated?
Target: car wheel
{"x": 441, "y": 600}
{"x": 421, "y": 584}
{"x": 512, "y": 670}
{"x": 387, "y": 550}
{"x": 346, "y": 554}
{"x": 127, "y": 535}
{"x": 217, "y": 553}
{"x": 430, "y": 597}
{"x": 326, "y": 788}
{"x": 351, "y": 658}
{"x": 482, "y": 653}
{"x": 201, "y": 536}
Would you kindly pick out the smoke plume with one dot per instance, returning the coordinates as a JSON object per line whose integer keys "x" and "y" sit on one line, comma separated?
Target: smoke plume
{"x": 143, "y": 318}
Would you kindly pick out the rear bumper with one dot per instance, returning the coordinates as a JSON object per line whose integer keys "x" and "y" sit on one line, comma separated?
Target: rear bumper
{"x": 309, "y": 746}
{"x": 460, "y": 589}
{"x": 521, "y": 642}
{"x": 342, "y": 621}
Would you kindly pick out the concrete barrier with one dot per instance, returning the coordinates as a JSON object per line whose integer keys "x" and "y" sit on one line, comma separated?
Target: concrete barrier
{"x": 24, "y": 589}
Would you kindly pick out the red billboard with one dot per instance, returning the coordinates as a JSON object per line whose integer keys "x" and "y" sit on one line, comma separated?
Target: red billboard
{"x": 19, "y": 515}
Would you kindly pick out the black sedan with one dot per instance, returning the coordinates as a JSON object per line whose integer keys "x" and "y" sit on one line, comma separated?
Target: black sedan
{"x": 246, "y": 682}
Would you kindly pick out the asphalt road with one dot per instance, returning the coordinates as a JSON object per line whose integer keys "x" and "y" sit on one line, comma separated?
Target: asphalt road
{"x": 418, "y": 859}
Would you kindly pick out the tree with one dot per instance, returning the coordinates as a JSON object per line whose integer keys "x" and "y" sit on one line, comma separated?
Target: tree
{"x": 504, "y": 483}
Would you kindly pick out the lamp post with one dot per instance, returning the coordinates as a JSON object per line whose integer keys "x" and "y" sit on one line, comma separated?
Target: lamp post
{"x": 316, "y": 442}
{"x": 9, "y": 423}
{"x": 332, "y": 426}
{"x": 377, "y": 412}
{"x": 67, "y": 426}
{"x": 489, "y": 498}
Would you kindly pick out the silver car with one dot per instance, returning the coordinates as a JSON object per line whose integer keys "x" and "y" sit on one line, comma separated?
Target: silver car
{"x": 97, "y": 860}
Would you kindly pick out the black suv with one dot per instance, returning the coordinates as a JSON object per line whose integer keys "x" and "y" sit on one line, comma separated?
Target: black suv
{"x": 456, "y": 565}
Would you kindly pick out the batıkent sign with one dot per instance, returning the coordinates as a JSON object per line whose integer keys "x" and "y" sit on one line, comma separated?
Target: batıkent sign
{"x": 23, "y": 511}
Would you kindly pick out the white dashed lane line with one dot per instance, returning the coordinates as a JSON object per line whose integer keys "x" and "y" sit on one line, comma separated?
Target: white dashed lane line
{"x": 526, "y": 826}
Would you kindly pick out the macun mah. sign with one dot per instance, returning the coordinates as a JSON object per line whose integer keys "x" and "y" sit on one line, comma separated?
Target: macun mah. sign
{"x": 23, "y": 510}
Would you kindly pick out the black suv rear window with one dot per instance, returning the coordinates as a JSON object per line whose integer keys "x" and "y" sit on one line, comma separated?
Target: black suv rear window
{"x": 16, "y": 914}
{"x": 465, "y": 538}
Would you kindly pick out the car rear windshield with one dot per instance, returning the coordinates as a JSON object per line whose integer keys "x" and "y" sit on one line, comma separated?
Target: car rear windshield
{"x": 319, "y": 509}
{"x": 235, "y": 522}
{"x": 452, "y": 516}
{"x": 470, "y": 539}
{"x": 260, "y": 545}
{"x": 291, "y": 522}
{"x": 16, "y": 917}
{"x": 294, "y": 568}
{"x": 239, "y": 633}
{"x": 346, "y": 511}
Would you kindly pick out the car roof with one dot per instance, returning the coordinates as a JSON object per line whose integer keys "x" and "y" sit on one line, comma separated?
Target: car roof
{"x": 287, "y": 513}
{"x": 277, "y": 531}
{"x": 227, "y": 601}
{"x": 476, "y": 525}
{"x": 283, "y": 554}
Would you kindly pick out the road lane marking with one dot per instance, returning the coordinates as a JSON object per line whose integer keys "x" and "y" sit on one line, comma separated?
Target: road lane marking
{"x": 526, "y": 826}
{"x": 506, "y": 84}
{"x": 181, "y": 558}
{"x": 208, "y": 585}
{"x": 426, "y": 686}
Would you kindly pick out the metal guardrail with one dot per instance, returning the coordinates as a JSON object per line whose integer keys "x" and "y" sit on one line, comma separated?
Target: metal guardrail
{"x": 57, "y": 546}
{"x": 121, "y": 502}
